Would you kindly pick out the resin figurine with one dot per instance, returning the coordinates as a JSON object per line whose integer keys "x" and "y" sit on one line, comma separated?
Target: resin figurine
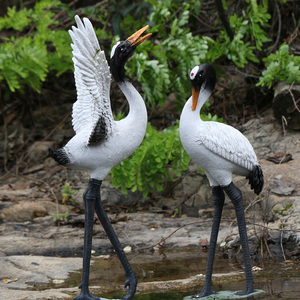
{"x": 220, "y": 150}
{"x": 101, "y": 142}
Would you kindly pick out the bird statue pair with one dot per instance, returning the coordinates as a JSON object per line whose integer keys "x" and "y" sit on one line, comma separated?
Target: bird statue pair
{"x": 100, "y": 143}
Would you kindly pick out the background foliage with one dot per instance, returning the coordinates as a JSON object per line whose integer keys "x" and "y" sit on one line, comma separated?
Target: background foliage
{"x": 34, "y": 46}
{"x": 26, "y": 59}
{"x": 35, "y": 49}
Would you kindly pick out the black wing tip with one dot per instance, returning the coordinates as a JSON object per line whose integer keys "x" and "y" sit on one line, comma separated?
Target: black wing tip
{"x": 99, "y": 132}
{"x": 256, "y": 179}
{"x": 59, "y": 155}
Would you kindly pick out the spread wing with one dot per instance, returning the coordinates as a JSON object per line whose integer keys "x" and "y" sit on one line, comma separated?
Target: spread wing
{"x": 228, "y": 143}
{"x": 91, "y": 111}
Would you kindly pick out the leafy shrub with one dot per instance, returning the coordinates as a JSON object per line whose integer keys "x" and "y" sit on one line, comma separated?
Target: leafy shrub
{"x": 160, "y": 67}
{"x": 163, "y": 67}
{"x": 249, "y": 35}
{"x": 281, "y": 66}
{"x": 27, "y": 59}
{"x": 159, "y": 158}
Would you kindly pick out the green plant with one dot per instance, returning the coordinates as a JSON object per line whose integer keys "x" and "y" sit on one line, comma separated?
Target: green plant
{"x": 163, "y": 67}
{"x": 67, "y": 193}
{"x": 160, "y": 157}
{"x": 25, "y": 59}
{"x": 60, "y": 217}
{"x": 281, "y": 66}
{"x": 282, "y": 212}
{"x": 249, "y": 35}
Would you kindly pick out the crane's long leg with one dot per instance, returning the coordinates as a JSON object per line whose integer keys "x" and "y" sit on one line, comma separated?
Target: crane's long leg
{"x": 89, "y": 197}
{"x": 236, "y": 197}
{"x": 218, "y": 200}
{"x": 131, "y": 280}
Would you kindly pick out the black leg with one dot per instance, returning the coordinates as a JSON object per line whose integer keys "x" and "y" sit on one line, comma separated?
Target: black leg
{"x": 218, "y": 199}
{"x": 89, "y": 197}
{"x": 236, "y": 197}
{"x": 131, "y": 280}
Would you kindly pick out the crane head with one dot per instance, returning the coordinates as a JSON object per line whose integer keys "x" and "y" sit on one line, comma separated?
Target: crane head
{"x": 123, "y": 50}
{"x": 203, "y": 77}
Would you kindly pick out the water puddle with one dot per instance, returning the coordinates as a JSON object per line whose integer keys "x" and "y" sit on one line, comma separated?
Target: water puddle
{"x": 173, "y": 275}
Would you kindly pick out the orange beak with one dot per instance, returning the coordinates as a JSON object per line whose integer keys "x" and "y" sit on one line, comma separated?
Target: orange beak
{"x": 134, "y": 39}
{"x": 195, "y": 94}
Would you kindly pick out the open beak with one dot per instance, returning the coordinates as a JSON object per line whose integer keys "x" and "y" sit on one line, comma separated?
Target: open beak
{"x": 195, "y": 94}
{"x": 134, "y": 39}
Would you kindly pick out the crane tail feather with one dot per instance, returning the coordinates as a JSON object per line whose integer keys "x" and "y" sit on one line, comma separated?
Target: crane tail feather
{"x": 59, "y": 155}
{"x": 256, "y": 179}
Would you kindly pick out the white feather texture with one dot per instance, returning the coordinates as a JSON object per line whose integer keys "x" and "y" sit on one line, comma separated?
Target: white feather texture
{"x": 114, "y": 140}
{"x": 92, "y": 79}
{"x": 227, "y": 142}
{"x": 219, "y": 149}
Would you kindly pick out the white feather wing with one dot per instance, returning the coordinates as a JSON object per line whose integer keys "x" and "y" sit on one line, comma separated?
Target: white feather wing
{"x": 228, "y": 143}
{"x": 92, "y": 79}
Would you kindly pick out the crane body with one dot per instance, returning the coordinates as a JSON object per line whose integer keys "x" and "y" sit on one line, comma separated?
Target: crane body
{"x": 220, "y": 150}
{"x": 116, "y": 148}
{"x": 100, "y": 142}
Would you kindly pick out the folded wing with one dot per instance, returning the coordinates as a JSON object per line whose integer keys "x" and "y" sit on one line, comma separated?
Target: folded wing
{"x": 228, "y": 143}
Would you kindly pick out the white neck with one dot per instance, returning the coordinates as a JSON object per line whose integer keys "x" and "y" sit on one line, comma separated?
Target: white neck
{"x": 190, "y": 116}
{"x": 137, "y": 108}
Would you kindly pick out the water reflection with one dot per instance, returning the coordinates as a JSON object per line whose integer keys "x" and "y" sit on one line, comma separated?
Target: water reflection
{"x": 279, "y": 281}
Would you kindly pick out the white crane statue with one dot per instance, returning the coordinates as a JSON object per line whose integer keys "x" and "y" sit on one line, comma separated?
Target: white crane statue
{"x": 220, "y": 150}
{"x": 101, "y": 142}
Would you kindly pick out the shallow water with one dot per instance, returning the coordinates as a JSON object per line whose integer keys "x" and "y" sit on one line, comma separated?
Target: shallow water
{"x": 278, "y": 280}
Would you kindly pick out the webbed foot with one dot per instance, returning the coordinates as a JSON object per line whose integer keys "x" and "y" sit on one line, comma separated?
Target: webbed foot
{"x": 131, "y": 283}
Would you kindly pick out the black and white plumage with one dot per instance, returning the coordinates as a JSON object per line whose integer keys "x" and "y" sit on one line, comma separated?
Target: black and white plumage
{"x": 100, "y": 142}
{"x": 220, "y": 150}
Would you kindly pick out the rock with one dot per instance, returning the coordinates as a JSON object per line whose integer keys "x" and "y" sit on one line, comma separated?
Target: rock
{"x": 24, "y": 272}
{"x": 22, "y": 212}
{"x": 281, "y": 187}
{"x": 27, "y": 211}
{"x": 190, "y": 182}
